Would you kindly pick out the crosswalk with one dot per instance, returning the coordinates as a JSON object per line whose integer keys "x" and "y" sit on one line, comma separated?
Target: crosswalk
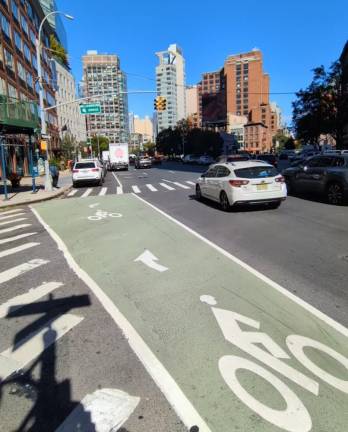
{"x": 164, "y": 185}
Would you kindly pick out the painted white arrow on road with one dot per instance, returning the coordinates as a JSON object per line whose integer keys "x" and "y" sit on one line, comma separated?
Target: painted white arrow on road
{"x": 93, "y": 205}
{"x": 149, "y": 259}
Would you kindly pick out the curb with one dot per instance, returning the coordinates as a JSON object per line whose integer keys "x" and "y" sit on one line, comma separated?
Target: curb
{"x": 62, "y": 191}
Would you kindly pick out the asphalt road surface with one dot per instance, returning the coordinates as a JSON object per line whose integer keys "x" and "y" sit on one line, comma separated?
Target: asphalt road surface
{"x": 155, "y": 302}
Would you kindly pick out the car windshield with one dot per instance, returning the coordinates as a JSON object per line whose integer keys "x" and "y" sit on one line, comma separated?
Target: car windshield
{"x": 83, "y": 165}
{"x": 256, "y": 172}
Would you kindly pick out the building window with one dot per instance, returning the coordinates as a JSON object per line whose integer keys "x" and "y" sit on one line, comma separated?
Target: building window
{"x": 32, "y": 37}
{"x": 27, "y": 52}
{"x": 24, "y": 24}
{"x": 8, "y": 59}
{"x": 18, "y": 40}
{"x": 30, "y": 80}
{"x": 12, "y": 92}
{"x": 2, "y": 87}
{"x": 21, "y": 71}
{"x": 14, "y": 8}
{"x": 5, "y": 25}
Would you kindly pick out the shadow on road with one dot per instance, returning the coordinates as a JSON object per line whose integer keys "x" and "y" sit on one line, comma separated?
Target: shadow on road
{"x": 180, "y": 167}
{"x": 52, "y": 401}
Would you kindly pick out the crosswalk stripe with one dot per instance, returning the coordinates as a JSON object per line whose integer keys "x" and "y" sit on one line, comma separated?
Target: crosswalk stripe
{"x": 10, "y": 211}
{"x": 167, "y": 186}
{"x": 29, "y": 297}
{"x": 72, "y": 193}
{"x": 14, "y": 228}
{"x": 13, "y": 221}
{"x": 103, "y": 191}
{"x": 191, "y": 183}
{"x": 11, "y": 216}
{"x": 86, "y": 193}
{"x": 136, "y": 189}
{"x": 15, "y": 238}
{"x": 13, "y": 272}
{"x": 20, "y": 248}
{"x": 181, "y": 185}
{"x": 26, "y": 350}
{"x": 119, "y": 190}
{"x": 152, "y": 188}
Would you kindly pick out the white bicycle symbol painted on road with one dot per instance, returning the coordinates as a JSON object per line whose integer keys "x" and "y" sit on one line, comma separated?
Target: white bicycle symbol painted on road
{"x": 100, "y": 215}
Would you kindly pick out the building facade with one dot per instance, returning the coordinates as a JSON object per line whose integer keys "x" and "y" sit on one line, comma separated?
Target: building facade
{"x": 213, "y": 100}
{"x": 70, "y": 121}
{"x": 19, "y": 24}
{"x": 107, "y": 84}
{"x": 144, "y": 126}
{"x": 257, "y": 138}
{"x": 170, "y": 83}
{"x": 235, "y": 126}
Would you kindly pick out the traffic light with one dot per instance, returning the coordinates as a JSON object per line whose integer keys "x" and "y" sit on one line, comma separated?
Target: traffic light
{"x": 160, "y": 103}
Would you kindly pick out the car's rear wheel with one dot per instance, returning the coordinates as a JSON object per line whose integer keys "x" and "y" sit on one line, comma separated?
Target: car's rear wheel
{"x": 198, "y": 193}
{"x": 224, "y": 203}
{"x": 335, "y": 194}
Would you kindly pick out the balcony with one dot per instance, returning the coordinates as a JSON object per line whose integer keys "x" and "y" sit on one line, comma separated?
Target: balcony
{"x": 16, "y": 113}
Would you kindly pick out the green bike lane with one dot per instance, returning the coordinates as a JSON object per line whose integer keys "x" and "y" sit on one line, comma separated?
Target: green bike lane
{"x": 247, "y": 356}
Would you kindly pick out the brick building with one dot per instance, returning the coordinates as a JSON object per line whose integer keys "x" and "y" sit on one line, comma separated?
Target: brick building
{"x": 19, "y": 24}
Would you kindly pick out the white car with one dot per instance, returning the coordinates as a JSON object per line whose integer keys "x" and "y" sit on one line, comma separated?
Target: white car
{"x": 90, "y": 171}
{"x": 206, "y": 160}
{"x": 246, "y": 182}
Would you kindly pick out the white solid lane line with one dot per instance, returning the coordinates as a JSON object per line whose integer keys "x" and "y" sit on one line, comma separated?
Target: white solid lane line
{"x": 167, "y": 186}
{"x": 29, "y": 297}
{"x": 13, "y": 221}
{"x": 119, "y": 190}
{"x": 18, "y": 249}
{"x": 103, "y": 191}
{"x": 107, "y": 408}
{"x": 152, "y": 188}
{"x": 181, "y": 185}
{"x": 191, "y": 183}
{"x": 16, "y": 358}
{"x": 136, "y": 189}
{"x": 10, "y": 211}
{"x": 86, "y": 193}
{"x": 72, "y": 193}
{"x": 11, "y": 216}
{"x": 13, "y": 272}
{"x": 14, "y": 228}
{"x": 15, "y": 238}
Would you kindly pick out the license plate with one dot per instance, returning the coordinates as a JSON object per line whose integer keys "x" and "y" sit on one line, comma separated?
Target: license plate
{"x": 85, "y": 171}
{"x": 262, "y": 187}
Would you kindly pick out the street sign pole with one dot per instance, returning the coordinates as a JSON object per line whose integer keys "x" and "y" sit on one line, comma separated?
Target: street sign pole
{"x": 3, "y": 166}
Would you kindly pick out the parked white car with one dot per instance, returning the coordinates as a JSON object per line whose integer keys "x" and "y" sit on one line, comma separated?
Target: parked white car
{"x": 246, "y": 182}
{"x": 90, "y": 171}
{"x": 206, "y": 160}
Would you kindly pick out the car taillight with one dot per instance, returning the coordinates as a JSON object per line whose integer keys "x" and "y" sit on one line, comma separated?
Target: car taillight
{"x": 238, "y": 183}
{"x": 75, "y": 170}
{"x": 95, "y": 169}
{"x": 280, "y": 179}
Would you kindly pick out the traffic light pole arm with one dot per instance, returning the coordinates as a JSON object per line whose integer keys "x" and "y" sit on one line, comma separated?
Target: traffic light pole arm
{"x": 98, "y": 96}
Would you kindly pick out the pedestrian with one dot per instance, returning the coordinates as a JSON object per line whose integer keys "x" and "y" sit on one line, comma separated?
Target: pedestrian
{"x": 54, "y": 171}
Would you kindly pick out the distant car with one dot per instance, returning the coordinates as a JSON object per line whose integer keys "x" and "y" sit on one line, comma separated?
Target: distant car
{"x": 142, "y": 162}
{"x": 206, "y": 160}
{"x": 156, "y": 160}
{"x": 323, "y": 175}
{"x": 269, "y": 158}
{"x": 233, "y": 158}
{"x": 190, "y": 159}
{"x": 89, "y": 171}
{"x": 246, "y": 182}
{"x": 332, "y": 152}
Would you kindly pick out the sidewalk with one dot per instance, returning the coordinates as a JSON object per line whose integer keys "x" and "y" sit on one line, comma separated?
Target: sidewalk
{"x": 23, "y": 195}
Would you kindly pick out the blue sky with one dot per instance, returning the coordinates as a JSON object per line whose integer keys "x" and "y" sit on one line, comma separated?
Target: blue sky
{"x": 295, "y": 36}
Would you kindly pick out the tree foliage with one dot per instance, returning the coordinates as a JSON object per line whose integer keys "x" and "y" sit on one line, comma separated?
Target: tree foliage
{"x": 321, "y": 108}
{"x": 58, "y": 51}
{"x": 285, "y": 142}
{"x": 103, "y": 143}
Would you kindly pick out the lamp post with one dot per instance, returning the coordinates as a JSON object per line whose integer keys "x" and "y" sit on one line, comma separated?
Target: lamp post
{"x": 48, "y": 184}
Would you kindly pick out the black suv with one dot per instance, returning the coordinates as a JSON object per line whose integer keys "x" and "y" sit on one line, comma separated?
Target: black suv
{"x": 325, "y": 175}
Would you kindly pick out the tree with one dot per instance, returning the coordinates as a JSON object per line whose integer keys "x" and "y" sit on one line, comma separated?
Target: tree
{"x": 283, "y": 141}
{"x": 58, "y": 51}
{"x": 321, "y": 108}
{"x": 169, "y": 141}
{"x": 149, "y": 148}
{"x": 103, "y": 144}
{"x": 68, "y": 146}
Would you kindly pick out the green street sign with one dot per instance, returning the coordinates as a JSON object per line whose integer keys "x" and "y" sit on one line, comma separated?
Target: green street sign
{"x": 90, "y": 109}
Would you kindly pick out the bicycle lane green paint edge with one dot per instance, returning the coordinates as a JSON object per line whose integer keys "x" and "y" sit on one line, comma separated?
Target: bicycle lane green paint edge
{"x": 166, "y": 310}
